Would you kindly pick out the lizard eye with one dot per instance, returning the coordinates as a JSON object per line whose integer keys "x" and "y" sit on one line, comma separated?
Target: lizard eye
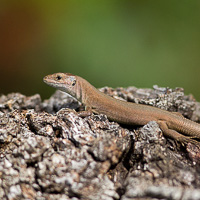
{"x": 58, "y": 77}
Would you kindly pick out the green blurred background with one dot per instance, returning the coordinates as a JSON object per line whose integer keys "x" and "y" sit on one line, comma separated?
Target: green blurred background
{"x": 108, "y": 42}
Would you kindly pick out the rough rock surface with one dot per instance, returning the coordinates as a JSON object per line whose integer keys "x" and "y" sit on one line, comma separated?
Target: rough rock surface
{"x": 48, "y": 152}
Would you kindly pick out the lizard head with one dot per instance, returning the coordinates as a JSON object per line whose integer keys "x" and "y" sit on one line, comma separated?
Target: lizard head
{"x": 63, "y": 81}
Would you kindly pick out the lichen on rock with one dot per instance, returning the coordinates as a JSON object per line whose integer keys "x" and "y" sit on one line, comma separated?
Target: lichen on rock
{"x": 48, "y": 152}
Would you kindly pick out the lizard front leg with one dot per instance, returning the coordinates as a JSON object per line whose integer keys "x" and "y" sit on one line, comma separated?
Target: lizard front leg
{"x": 85, "y": 113}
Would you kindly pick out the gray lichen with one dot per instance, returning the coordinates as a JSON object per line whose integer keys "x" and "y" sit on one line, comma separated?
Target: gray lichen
{"x": 48, "y": 152}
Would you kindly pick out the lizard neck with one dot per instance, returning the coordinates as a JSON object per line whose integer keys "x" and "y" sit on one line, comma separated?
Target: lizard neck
{"x": 84, "y": 90}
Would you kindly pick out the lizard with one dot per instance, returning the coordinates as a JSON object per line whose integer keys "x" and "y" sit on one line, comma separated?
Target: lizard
{"x": 172, "y": 124}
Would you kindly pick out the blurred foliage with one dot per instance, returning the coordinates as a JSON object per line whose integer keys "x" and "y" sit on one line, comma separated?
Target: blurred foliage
{"x": 108, "y": 42}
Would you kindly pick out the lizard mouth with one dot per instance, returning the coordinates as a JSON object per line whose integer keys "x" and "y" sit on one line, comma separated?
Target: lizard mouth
{"x": 48, "y": 81}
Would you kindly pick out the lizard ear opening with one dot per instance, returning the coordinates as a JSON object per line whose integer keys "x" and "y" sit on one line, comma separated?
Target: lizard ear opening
{"x": 74, "y": 82}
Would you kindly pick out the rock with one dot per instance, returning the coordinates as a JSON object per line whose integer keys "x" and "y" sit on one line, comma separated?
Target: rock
{"x": 48, "y": 152}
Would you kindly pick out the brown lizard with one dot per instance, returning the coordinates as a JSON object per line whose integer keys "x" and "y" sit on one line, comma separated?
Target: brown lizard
{"x": 171, "y": 123}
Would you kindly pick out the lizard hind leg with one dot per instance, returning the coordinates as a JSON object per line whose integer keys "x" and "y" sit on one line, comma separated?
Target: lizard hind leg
{"x": 175, "y": 135}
